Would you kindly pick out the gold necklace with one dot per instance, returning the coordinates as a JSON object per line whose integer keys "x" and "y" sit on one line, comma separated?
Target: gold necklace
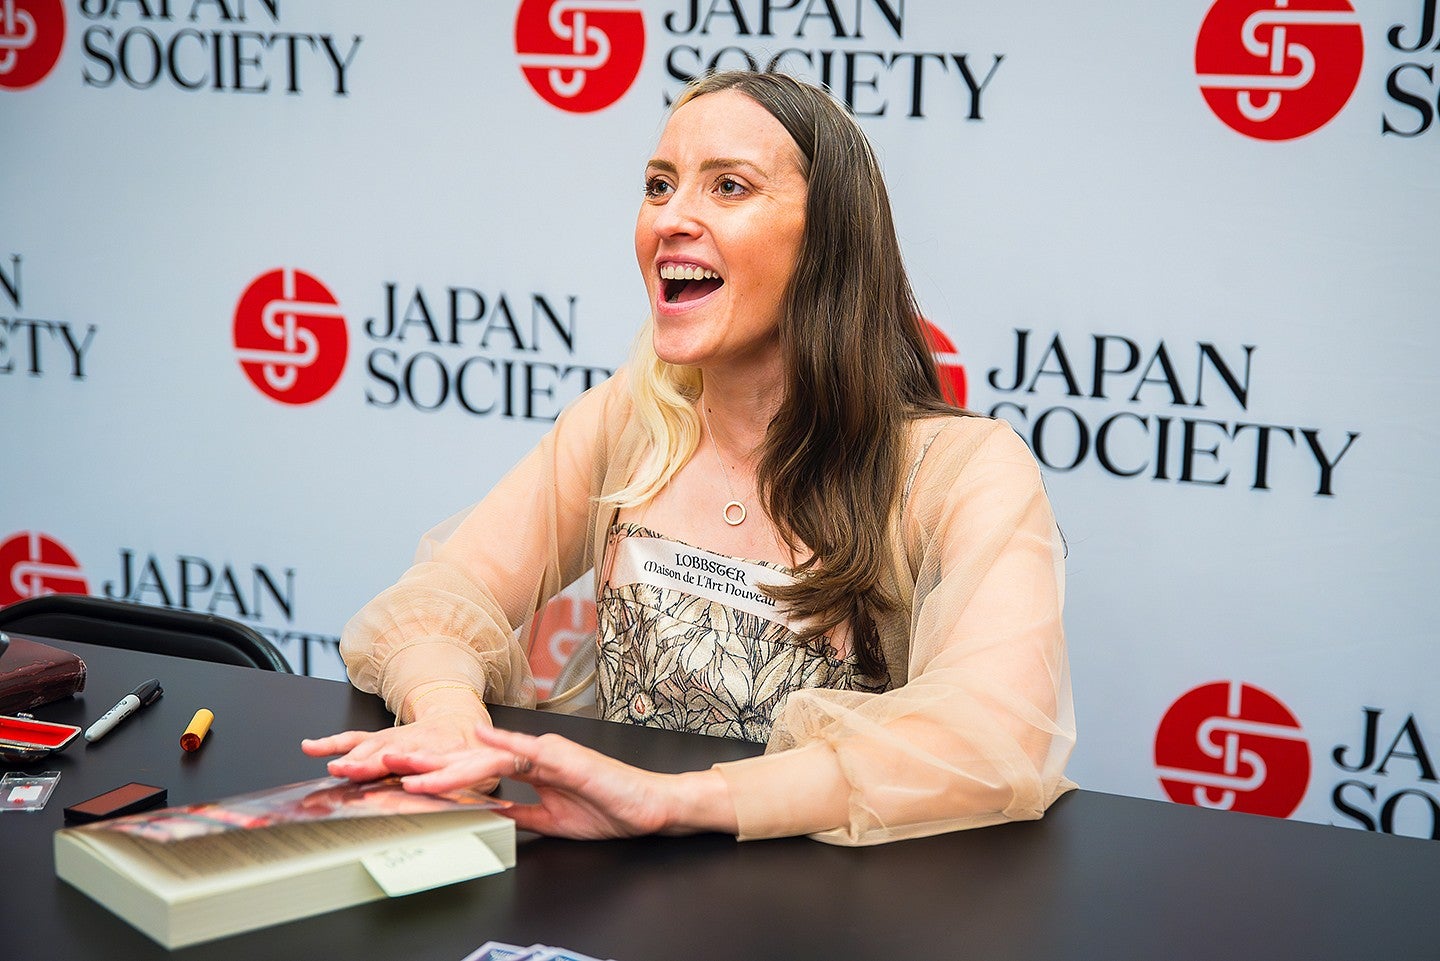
{"x": 734, "y": 505}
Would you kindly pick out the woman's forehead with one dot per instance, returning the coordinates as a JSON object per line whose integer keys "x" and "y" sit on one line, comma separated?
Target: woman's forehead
{"x": 727, "y": 124}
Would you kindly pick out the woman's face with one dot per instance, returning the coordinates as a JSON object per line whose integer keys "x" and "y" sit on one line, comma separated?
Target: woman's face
{"x": 719, "y": 232}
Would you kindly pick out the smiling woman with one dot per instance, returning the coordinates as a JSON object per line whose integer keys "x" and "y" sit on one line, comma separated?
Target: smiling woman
{"x": 719, "y": 233}
{"x": 795, "y": 539}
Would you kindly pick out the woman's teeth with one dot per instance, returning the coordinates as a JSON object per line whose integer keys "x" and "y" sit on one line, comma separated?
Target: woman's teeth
{"x": 686, "y": 272}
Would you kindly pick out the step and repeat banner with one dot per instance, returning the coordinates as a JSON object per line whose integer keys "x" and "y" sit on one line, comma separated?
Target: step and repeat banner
{"x": 284, "y": 283}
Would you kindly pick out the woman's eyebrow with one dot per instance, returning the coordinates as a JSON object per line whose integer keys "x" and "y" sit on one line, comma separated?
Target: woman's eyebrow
{"x": 718, "y": 163}
{"x": 715, "y": 163}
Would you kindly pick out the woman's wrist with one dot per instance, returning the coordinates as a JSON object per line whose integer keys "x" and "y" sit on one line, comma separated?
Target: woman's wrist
{"x": 445, "y": 699}
{"x": 699, "y": 801}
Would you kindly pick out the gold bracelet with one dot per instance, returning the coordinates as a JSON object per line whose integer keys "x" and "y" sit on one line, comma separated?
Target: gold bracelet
{"x": 416, "y": 699}
{"x": 444, "y": 687}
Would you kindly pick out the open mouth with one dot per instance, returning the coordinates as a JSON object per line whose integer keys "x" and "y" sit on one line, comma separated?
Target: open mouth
{"x": 682, "y": 283}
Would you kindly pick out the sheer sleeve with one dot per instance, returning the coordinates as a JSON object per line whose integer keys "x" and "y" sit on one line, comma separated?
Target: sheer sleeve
{"x": 457, "y": 617}
{"x": 981, "y": 728}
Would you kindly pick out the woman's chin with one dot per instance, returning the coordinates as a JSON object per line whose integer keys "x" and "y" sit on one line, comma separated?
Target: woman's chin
{"x": 681, "y": 358}
{"x": 676, "y": 347}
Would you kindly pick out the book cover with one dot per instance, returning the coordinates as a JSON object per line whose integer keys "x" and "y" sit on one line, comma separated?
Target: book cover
{"x": 189, "y": 874}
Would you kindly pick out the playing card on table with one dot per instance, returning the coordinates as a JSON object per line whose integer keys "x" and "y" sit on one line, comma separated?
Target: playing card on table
{"x": 556, "y": 954}
{"x": 496, "y": 951}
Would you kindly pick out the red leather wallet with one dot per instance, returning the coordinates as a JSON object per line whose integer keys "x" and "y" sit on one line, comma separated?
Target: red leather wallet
{"x": 32, "y": 674}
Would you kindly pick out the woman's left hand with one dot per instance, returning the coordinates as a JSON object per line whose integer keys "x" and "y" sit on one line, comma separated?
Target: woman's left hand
{"x": 582, "y": 793}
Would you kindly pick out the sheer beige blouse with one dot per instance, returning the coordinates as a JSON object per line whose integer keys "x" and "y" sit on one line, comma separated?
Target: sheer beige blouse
{"x": 978, "y": 727}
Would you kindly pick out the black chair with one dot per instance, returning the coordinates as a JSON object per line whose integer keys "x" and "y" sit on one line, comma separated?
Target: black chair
{"x": 139, "y": 627}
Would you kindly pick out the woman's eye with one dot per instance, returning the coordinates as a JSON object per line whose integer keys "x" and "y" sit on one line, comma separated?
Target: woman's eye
{"x": 729, "y": 188}
{"x": 656, "y": 189}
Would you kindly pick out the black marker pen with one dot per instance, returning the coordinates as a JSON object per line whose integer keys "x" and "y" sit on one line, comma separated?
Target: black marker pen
{"x": 143, "y": 696}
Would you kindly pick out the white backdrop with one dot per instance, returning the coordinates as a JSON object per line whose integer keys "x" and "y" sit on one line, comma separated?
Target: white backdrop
{"x": 1082, "y": 182}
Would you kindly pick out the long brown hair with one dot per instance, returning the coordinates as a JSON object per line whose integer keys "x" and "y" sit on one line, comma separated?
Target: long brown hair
{"x": 857, "y": 364}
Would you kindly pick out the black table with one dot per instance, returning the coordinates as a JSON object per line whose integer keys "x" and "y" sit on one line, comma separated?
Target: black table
{"x": 1100, "y": 877}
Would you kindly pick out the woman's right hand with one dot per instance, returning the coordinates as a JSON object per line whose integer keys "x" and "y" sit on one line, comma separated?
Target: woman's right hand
{"x": 361, "y": 754}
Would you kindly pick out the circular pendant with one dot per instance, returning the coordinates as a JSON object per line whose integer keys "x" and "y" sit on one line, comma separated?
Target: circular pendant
{"x": 730, "y": 517}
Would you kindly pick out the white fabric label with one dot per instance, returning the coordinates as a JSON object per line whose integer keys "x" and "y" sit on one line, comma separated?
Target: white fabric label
{"x": 714, "y": 577}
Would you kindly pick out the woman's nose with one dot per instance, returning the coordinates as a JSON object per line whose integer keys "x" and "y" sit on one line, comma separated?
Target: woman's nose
{"x": 678, "y": 217}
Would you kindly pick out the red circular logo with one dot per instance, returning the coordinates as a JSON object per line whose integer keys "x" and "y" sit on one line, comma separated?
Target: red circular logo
{"x": 290, "y": 336}
{"x": 947, "y": 358}
{"x": 580, "y": 55}
{"x": 32, "y": 564}
{"x": 1234, "y": 747}
{"x": 31, "y": 35}
{"x": 1278, "y": 70}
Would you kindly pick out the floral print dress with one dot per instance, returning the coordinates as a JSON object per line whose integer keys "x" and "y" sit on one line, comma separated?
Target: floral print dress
{"x": 687, "y": 642}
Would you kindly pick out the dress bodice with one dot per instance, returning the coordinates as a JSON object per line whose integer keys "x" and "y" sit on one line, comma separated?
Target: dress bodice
{"x": 688, "y": 641}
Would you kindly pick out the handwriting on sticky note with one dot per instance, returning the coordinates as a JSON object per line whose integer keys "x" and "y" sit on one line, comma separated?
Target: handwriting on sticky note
{"x": 411, "y": 868}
